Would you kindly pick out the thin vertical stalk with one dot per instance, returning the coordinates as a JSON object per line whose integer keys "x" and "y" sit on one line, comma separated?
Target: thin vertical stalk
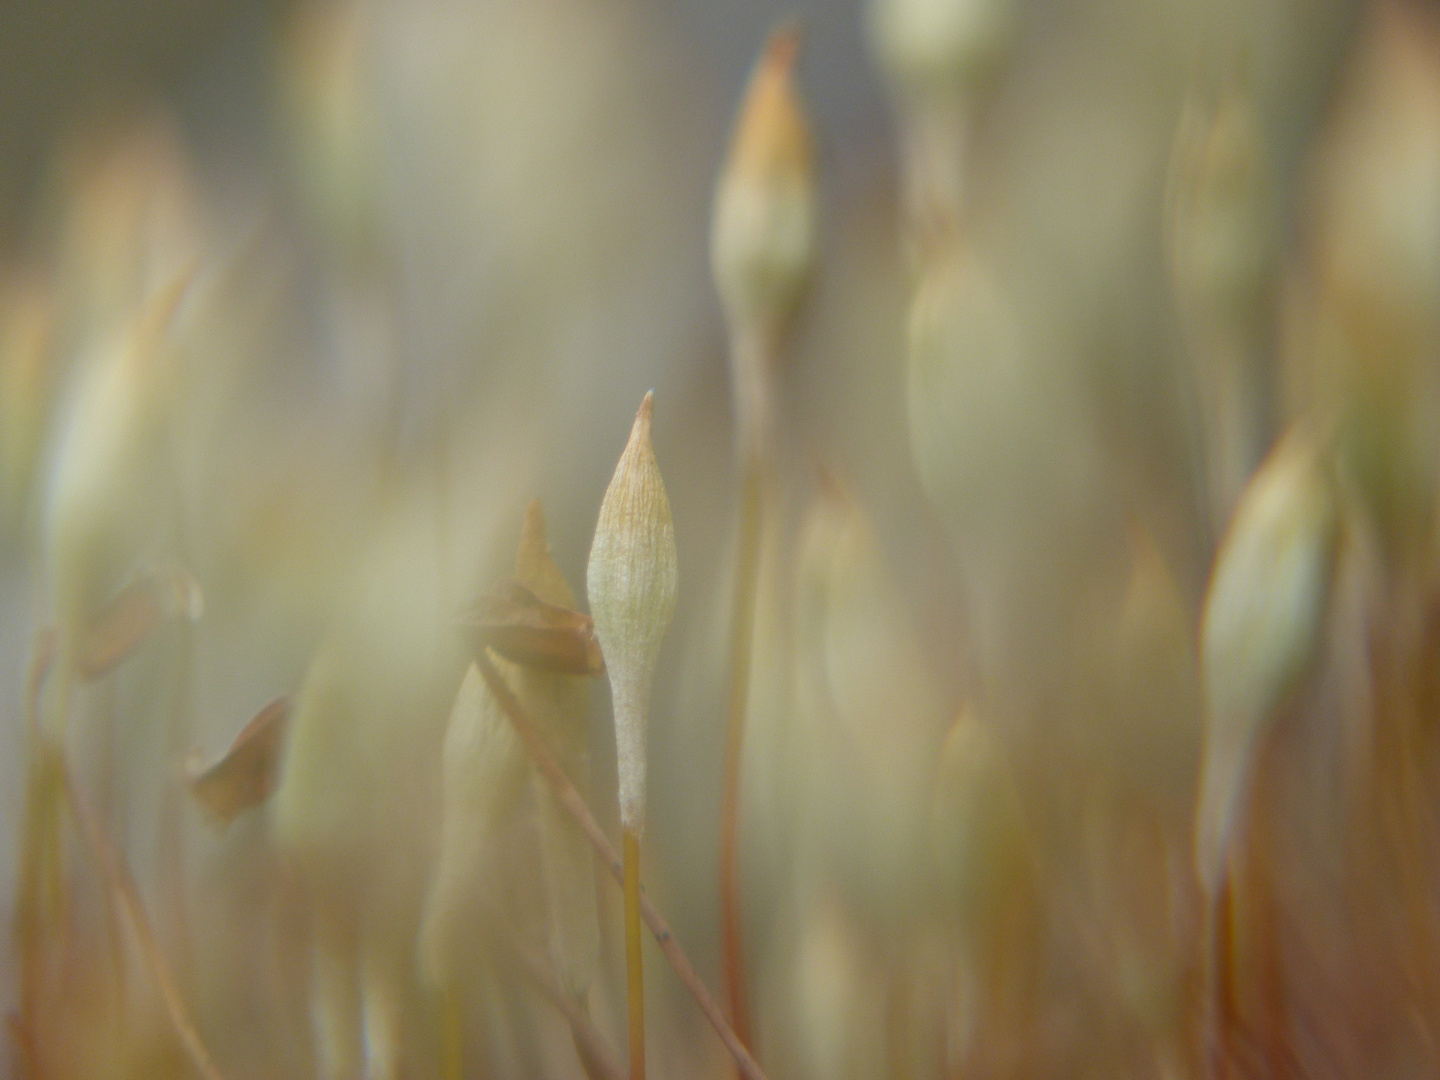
{"x": 634, "y": 968}
{"x": 742, "y": 632}
{"x": 174, "y": 910}
{"x": 571, "y": 800}
{"x": 1218, "y": 1001}
{"x": 123, "y": 890}
{"x": 753, "y": 356}
{"x": 762, "y": 250}
{"x": 40, "y": 897}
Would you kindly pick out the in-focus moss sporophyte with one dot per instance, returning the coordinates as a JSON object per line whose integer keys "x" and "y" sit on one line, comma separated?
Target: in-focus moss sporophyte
{"x": 631, "y": 580}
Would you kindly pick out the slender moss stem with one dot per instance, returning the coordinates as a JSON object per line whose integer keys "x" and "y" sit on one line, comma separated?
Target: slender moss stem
{"x": 123, "y": 891}
{"x": 570, "y": 798}
{"x": 41, "y": 895}
{"x": 753, "y": 355}
{"x": 742, "y": 632}
{"x": 1218, "y": 982}
{"x": 119, "y": 883}
{"x": 634, "y": 966}
{"x": 36, "y": 894}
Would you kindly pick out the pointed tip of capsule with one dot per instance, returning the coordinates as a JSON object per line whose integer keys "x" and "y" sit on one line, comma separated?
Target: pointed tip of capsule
{"x": 640, "y": 429}
{"x": 782, "y": 48}
{"x": 772, "y": 134}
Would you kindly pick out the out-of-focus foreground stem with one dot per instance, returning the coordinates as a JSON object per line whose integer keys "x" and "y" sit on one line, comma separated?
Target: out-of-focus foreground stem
{"x": 742, "y": 632}
{"x": 762, "y": 247}
{"x": 122, "y": 890}
{"x": 570, "y": 798}
{"x": 118, "y": 881}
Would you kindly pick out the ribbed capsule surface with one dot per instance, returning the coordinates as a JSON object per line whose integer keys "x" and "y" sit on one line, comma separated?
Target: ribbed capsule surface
{"x": 631, "y": 581}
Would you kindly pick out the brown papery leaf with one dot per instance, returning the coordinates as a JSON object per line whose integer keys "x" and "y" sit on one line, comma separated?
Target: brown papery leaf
{"x": 245, "y": 774}
{"x": 521, "y": 627}
{"x": 138, "y": 610}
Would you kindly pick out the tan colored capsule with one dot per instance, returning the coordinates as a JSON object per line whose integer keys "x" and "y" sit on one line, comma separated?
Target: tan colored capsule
{"x": 762, "y": 233}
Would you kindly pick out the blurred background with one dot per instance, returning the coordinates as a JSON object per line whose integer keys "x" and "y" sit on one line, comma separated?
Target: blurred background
{"x": 302, "y": 303}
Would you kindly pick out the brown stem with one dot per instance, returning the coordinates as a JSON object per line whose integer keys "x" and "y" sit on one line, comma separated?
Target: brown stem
{"x": 123, "y": 890}
{"x": 634, "y": 966}
{"x": 117, "y": 877}
{"x": 742, "y": 632}
{"x": 570, "y": 798}
{"x": 1219, "y": 980}
{"x": 39, "y": 895}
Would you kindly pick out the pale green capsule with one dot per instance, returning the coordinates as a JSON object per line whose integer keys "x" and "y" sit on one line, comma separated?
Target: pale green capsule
{"x": 930, "y": 47}
{"x": 1261, "y": 626}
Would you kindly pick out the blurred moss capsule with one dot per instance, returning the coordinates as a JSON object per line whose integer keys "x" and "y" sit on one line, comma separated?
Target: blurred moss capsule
{"x": 1221, "y": 237}
{"x": 762, "y": 242}
{"x": 1152, "y": 724}
{"x": 979, "y": 839}
{"x": 870, "y": 717}
{"x": 835, "y": 1017}
{"x": 1372, "y": 369}
{"x": 937, "y": 48}
{"x": 1261, "y": 626}
{"x": 559, "y": 705}
{"x": 631, "y": 579}
{"x": 483, "y": 774}
{"x": 975, "y": 409}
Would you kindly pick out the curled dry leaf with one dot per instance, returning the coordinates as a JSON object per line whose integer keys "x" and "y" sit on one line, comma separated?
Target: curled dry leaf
{"x": 245, "y": 774}
{"x": 150, "y": 601}
{"x": 527, "y": 630}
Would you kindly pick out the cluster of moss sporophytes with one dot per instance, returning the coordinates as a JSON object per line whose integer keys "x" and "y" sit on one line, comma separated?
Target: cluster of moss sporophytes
{"x": 1037, "y": 703}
